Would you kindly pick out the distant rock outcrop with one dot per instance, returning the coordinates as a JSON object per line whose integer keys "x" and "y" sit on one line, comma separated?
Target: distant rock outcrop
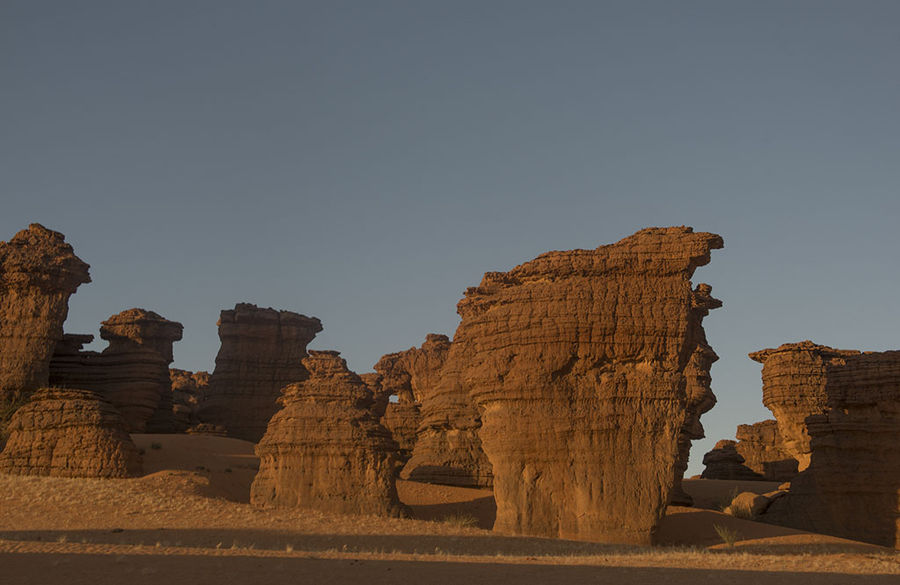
{"x": 261, "y": 352}
{"x": 188, "y": 390}
{"x": 69, "y": 433}
{"x": 756, "y": 455}
{"x": 838, "y": 412}
{"x": 324, "y": 449}
{"x": 132, "y": 372}
{"x": 39, "y": 271}
{"x": 577, "y": 364}
{"x": 410, "y": 376}
{"x": 724, "y": 462}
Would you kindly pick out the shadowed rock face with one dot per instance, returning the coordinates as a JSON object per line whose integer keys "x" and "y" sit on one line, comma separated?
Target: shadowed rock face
{"x": 38, "y": 273}
{"x": 188, "y": 389}
{"x": 132, "y": 372}
{"x": 69, "y": 433}
{"x": 839, "y": 413}
{"x": 576, "y": 361}
{"x": 410, "y": 376}
{"x": 757, "y": 455}
{"x": 261, "y": 352}
{"x": 324, "y": 449}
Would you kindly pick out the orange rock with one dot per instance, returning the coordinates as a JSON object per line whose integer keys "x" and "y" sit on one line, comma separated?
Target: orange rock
{"x": 188, "y": 391}
{"x": 324, "y": 449}
{"x": 39, "y": 271}
{"x": 69, "y": 433}
{"x": 261, "y": 352}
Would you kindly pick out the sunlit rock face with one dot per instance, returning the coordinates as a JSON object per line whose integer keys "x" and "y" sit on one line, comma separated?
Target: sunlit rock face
{"x": 410, "y": 376}
{"x": 132, "y": 372}
{"x": 577, "y": 363}
{"x": 39, "y": 271}
{"x": 261, "y": 352}
{"x": 64, "y": 432}
{"x": 325, "y": 449}
{"x": 838, "y": 413}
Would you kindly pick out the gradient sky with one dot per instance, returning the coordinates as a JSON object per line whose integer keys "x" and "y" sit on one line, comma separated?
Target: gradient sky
{"x": 365, "y": 162}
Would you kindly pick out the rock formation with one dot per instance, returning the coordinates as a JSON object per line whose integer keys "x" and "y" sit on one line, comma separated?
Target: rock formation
{"x": 577, "y": 364}
{"x": 188, "y": 389}
{"x": 261, "y": 352}
{"x": 410, "y": 376}
{"x": 39, "y": 271}
{"x": 132, "y": 372}
{"x": 758, "y": 454}
{"x": 324, "y": 449}
{"x": 838, "y": 412}
{"x": 69, "y": 433}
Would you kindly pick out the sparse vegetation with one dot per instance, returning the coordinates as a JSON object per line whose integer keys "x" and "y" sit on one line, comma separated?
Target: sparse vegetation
{"x": 461, "y": 520}
{"x": 725, "y": 502}
{"x": 156, "y": 446}
{"x": 728, "y": 535}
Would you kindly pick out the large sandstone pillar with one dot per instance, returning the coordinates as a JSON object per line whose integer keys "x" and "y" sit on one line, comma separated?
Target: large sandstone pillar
{"x": 261, "y": 352}
{"x": 39, "y": 271}
{"x": 576, "y": 362}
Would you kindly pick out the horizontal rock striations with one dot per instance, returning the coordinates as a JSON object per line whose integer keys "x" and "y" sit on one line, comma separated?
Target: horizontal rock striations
{"x": 39, "y": 271}
{"x": 724, "y": 462}
{"x": 756, "y": 455}
{"x": 410, "y": 376}
{"x": 839, "y": 412}
{"x": 261, "y": 352}
{"x": 188, "y": 390}
{"x": 69, "y": 433}
{"x": 576, "y": 362}
{"x": 324, "y": 449}
{"x": 132, "y": 372}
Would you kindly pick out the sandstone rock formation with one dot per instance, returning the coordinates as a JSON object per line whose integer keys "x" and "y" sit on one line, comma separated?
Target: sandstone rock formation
{"x": 69, "y": 433}
{"x": 324, "y": 449}
{"x": 188, "y": 390}
{"x": 838, "y": 412}
{"x": 577, "y": 364}
{"x": 724, "y": 462}
{"x": 132, "y": 372}
{"x": 39, "y": 271}
{"x": 410, "y": 376}
{"x": 261, "y": 352}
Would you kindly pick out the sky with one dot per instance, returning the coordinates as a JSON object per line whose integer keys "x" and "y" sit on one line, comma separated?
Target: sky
{"x": 365, "y": 162}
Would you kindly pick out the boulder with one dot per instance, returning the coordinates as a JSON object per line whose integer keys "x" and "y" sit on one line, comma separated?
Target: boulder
{"x": 839, "y": 414}
{"x": 576, "y": 362}
{"x": 132, "y": 372}
{"x": 39, "y": 271}
{"x": 261, "y": 352}
{"x": 324, "y": 449}
{"x": 69, "y": 433}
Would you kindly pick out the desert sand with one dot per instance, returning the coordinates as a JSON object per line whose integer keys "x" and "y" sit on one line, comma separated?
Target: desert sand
{"x": 187, "y": 519}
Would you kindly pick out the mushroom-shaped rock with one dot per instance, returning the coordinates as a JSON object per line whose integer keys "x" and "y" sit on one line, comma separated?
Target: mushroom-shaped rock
{"x": 39, "y": 271}
{"x": 324, "y": 449}
{"x": 69, "y": 433}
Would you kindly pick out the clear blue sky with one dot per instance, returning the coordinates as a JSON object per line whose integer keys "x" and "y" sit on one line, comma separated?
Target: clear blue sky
{"x": 365, "y": 162}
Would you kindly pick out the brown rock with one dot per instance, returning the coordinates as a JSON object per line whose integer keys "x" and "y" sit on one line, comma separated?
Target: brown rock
{"x": 324, "y": 449}
{"x": 132, "y": 372}
{"x": 38, "y": 273}
{"x": 761, "y": 447}
{"x": 261, "y": 353}
{"x": 69, "y": 433}
{"x": 724, "y": 462}
{"x": 576, "y": 361}
{"x": 411, "y": 376}
{"x": 839, "y": 413}
{"x": 188, "y": 390}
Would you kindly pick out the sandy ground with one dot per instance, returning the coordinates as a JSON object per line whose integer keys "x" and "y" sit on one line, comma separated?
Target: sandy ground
{"x": 187, "y": 520}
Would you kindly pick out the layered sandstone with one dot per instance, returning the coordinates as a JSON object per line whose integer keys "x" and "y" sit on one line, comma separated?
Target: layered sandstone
{"x": 324, "y": 449}
{"x": 577, "y": 364}
{"x": 132, "y": 372}
{"x": 69, "y": 433}
{"x": 761, "y": 447}
{"x": 410, "y": 376}
{"x": 261, "y": 352}
{"x": 724, "y": 462}
{"x": 839, "y": 414}
{"x": 39, "y": 271}
{"x": 188, "y": 390}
